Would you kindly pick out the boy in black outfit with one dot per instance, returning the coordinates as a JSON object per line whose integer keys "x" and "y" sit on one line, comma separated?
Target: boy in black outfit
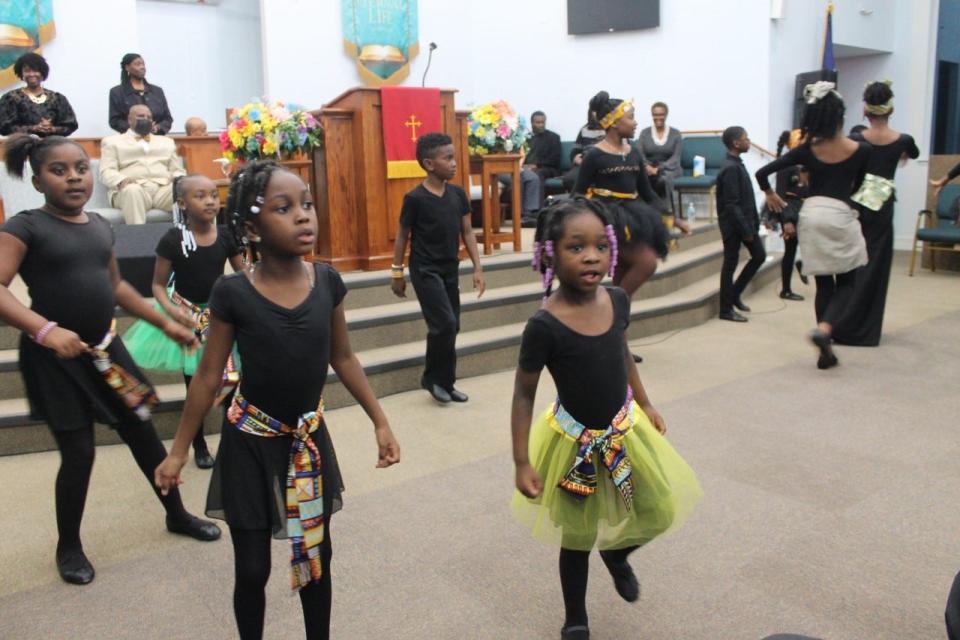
{"x": 739, "y": 224}
{"x": 436, "y": 214}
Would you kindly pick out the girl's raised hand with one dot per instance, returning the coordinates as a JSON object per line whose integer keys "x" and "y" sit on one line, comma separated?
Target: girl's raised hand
{"x": 388, "y": 449}
{"x": 167, "y": 474}
{"x": 528, "y": 481}
{"x": 65, "y": 343}
{"x": 775, "y": 202}
{"x": 658, "y": 422}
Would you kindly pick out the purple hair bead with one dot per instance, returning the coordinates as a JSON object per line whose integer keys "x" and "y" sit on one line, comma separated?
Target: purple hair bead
{"x": 612, "y": 238}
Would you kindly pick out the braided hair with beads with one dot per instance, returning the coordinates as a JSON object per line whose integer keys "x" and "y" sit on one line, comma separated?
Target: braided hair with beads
{"x": 245, "y": 198}
{"x": 550, "y": 225}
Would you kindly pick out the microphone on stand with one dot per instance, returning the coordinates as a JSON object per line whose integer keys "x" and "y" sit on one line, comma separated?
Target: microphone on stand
{"x": 433, "y": 45}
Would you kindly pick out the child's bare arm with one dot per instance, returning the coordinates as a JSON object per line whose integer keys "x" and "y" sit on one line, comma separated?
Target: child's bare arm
{"x": 521, "y": 415}
{"x": 348, "y": 369}
{"x": 470, "y": 242}
{"x": 128, "y": 298}
{"x": 161, "y": 276}
{"x": 200, "y": 396}
{"x": 639, "y": 393}
{"x": 398, "y": 284}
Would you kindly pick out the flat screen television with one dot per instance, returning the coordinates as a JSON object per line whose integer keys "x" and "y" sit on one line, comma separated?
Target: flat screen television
{"x": 605, "y": 16}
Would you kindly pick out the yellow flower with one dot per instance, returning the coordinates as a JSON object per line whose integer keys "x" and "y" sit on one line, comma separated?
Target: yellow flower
{"x": 480, "y": 132}
{"x": 236, "y": 138}
{"x": 269, "y": 147}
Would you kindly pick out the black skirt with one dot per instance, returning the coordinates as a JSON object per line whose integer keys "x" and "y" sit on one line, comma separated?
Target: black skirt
{"x": 248, "y": 485}
{"x": 71, "y": 394}
{"x": 637, "y": 223}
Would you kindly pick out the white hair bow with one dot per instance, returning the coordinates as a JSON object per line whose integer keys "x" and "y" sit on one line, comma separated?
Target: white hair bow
{"x": 814, "y": 93}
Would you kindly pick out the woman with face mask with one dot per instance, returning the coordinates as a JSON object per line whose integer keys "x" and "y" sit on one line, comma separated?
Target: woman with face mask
{"x": 33, "y": 109}
{"x": 134, "y": 89}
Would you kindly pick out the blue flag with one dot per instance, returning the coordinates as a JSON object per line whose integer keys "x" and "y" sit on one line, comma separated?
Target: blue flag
{"x": 829, "y": 62}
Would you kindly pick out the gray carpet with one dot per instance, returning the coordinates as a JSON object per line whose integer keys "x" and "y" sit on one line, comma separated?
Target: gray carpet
{"x": 830, "y": 512}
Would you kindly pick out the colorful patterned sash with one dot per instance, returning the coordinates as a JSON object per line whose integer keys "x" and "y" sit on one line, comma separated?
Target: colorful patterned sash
{"x": 201, "y": 321}
{"x": 305, "y": 526}
{"x": 581, "y": 480}
{"x": 137, "y": 395}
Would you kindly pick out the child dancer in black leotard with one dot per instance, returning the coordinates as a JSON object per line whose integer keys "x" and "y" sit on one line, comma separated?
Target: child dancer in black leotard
{"x": 830, "y": 237}
{"x": 276, "y": 471}
{"x": 192, "y": 255}
{"x": 595, "y": 471}
{"x": 75, "y": 369}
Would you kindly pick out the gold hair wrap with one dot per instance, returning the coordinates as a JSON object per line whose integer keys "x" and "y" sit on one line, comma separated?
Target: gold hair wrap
{"x": 611, "y": 118}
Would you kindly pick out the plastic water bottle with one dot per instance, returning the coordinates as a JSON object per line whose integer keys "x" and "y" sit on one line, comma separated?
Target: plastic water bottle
{"x": 691, "y": 212}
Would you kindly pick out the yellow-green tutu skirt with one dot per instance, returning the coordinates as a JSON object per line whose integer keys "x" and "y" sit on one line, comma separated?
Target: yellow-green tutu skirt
{"x": 665, "y": 489}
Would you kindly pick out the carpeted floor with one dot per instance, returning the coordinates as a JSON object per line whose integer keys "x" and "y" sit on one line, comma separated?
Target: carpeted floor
{"x": 829, "y": 511}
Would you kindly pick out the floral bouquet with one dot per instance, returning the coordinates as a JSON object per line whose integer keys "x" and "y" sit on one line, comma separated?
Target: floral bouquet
{"x": 496, "y": 128}
{"x": 262, "y": 129}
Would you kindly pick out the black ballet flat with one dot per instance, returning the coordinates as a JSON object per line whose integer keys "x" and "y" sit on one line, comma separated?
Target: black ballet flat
{"x": 637, "y": 358}
{"x": 575, "y": 632}
{"x": 625, "y": 581}
{"x": 458, "y": 396}
{"x": 198, "y": 529}
{"x": 827, "y": 358}
{"x": 74, "y": 568}
{"x": 799, "y": 265}
{"x": 741, "y": 305}
{"x": 201, "y": 455}
{"x": 790, "y": 295}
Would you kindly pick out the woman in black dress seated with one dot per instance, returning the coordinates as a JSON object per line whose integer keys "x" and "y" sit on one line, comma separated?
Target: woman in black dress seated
{"x": 134, "y": 89}
{"x": 863, "y": 323}
{"x": 33, "y": 109}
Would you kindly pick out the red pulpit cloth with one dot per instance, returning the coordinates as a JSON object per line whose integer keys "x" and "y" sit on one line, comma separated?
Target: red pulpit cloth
{"x": 408, "y": 113}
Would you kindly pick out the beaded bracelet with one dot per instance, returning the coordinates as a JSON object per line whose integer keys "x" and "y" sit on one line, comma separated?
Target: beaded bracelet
{"x": 42, "y": 334}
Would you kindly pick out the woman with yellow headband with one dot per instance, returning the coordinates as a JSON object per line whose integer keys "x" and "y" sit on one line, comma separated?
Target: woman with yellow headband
{"x": 612, "y": 172}
{"x": 863, "y": 322}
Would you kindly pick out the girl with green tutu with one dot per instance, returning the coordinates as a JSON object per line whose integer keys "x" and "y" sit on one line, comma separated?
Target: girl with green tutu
{"x": 594, "y": 471}
{"x": 190, "y": 258}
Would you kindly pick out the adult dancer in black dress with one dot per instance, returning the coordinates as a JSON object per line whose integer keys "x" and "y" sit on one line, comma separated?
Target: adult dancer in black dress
{"x": 863, "y": 322}
{"x": 830, "y": 237}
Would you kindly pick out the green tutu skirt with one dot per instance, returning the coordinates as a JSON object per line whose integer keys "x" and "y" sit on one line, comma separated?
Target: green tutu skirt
{"x": 665, "y": 489}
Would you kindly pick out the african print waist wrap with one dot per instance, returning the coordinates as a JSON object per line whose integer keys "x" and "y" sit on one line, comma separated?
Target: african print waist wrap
{"x": 201, "y": 322}
{"x": 304, "y": 502}
{"x": 606, "y": 444}
{"x": 138, "y": 396}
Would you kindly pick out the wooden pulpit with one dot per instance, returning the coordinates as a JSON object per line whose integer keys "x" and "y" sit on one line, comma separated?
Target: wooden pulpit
{"x": 358, "y": 208}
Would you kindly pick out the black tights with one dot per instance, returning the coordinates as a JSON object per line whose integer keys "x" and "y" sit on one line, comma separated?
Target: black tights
{"x": 833, "y": 296}
{"x": 786, "y": 264}
{"x": 574, "y": 570}
{"x": 251, "y": 563}
{"x": 198, "y": 440}
{"x": 76, "y": 464}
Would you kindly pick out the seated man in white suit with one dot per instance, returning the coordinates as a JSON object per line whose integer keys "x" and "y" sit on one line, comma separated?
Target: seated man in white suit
{"x": 138, "y": 167}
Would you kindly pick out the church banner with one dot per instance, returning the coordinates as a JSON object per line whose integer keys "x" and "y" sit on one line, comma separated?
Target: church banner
{"x": 25, "y": 25}
{"x": 381, "y": 35}
{"x": 408, "y": 113}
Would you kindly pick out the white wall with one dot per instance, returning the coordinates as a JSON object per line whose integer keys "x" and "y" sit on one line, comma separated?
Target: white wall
{"x": 206, "y": 58}
{"x": 85, "y": 55}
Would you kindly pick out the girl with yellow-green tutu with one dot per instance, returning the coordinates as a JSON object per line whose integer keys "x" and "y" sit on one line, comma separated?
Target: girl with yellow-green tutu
{"x": 190, "y": 258}
{"x": 594, "y": 471}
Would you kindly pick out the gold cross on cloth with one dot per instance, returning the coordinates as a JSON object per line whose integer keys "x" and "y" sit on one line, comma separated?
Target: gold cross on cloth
{"x": 413, "y": 123}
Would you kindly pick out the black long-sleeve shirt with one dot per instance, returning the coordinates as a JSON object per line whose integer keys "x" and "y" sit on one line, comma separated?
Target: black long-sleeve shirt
{"x": 954, "y": 172}
{"x": 123, "y": 96}
{"x": 19, "y": 114}
{"x": 545, "y": 150}
{"x": 736, "y": 203}
{"x": 838, "y": 180}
